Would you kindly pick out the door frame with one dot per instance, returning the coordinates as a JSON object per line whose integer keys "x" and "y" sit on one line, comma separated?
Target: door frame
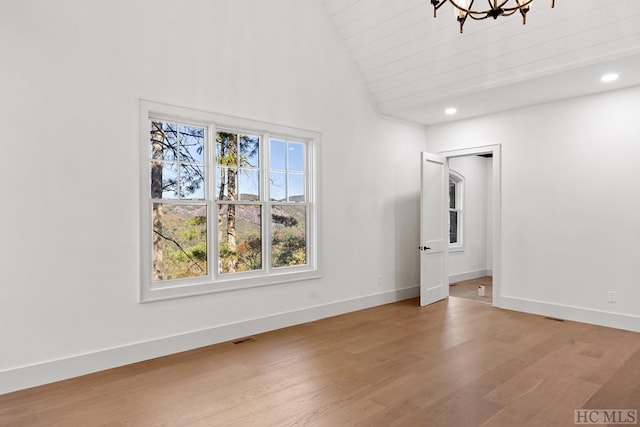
{"x": 496, "y": 208}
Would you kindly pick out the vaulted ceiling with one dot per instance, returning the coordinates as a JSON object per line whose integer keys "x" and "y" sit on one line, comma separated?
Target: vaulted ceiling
{"x": 416, "y": 66}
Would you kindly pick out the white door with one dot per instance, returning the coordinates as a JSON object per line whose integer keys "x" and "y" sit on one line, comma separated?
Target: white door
{"x": 434, "y": 240}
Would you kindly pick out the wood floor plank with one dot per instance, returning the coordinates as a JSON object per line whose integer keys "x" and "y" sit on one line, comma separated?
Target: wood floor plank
{"x": 551, "y": 403}
{"x": 456, "y": 362}
{"x": 622, "y": 391}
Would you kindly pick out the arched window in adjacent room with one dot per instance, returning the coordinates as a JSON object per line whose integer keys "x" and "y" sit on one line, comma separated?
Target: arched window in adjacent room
{"x": 456, "y": 210}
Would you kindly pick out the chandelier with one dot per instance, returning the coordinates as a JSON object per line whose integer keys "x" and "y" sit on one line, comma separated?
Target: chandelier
{"x": 463, "y": 9}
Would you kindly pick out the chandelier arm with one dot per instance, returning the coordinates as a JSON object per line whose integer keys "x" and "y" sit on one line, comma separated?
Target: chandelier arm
{"x": 467, "y": 10}
{"x": 495, "y": 6}
{"x": 522, "y": 6}
{"x": 510, "y": 12}
{"x": 437, "y": 4}
{"x": 463, "y": 18}
{"x": 483, "y": 17}
{"x": 478, "y": 18}
{"x": 484, "y": 12}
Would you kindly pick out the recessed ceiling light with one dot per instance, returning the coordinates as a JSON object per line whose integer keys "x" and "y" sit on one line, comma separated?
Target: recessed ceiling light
{"x": 611, "y": 77}
{"x": 450, "y": 111}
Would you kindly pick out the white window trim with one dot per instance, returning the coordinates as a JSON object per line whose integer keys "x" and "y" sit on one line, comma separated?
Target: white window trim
{"x": 459, "y": 180}
{"x": 212, "y": 282}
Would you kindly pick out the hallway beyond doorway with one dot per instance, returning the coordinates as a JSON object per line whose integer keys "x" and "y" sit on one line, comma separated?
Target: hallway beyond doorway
{"x": 468, "y": 289}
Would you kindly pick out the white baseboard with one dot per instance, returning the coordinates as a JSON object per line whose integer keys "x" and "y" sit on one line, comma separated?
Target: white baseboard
{"x": 469, "y": 275}
{"x": 567, "y": 312}
{"x": 60, "y": 369}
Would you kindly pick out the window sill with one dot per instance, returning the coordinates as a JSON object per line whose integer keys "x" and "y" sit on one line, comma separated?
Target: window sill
{"x": 456, "y": 249}
{"x": 182, "y": 289}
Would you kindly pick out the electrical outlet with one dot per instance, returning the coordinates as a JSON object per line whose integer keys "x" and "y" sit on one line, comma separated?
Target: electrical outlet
{"x": 379, "y": 281}
{"x": 611, "y": 296}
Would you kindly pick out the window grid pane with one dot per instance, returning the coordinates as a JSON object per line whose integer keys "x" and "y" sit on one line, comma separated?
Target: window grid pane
{"x": 452, "y": 194}
{"x": 288, "y": 235}
{"x": 191, "y": 140}
{"x": 226, "y": 183}
{"x": 249, "y": 151}
{"x": 278, "y": 186}
{"x": 179, "y": 241}
{"x": 295, "y": 156}
{"x": 453, "y": 227}
{"x": 278, "y": 155}
{"x": 249, "y": 184}
{"x": 295, "y": 187}
{"x": 239, "y": 238}
{"x": 177, "y": 161}
{"x": 287, "y": 177}
{"x": 226, "y": 149}
{"x": 238, "y": 172}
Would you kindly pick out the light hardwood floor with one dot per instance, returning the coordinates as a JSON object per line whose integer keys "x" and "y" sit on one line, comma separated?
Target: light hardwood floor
{"x": 456, "y": 363}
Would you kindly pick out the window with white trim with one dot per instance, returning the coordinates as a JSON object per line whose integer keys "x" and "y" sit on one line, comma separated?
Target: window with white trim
{"x": 227, "y": 203}
{"x": 456, "y": 214}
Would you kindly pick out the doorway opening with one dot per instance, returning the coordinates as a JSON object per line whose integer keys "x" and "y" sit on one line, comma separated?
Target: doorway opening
{"x": 470, "y": 260}
{"x": 474, "y": 223}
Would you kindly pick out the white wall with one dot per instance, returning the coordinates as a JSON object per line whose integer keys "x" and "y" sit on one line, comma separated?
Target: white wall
{"x": 570, "y": 229}
{"x": 71, "y": 75}
{"x": 471, "y": 262}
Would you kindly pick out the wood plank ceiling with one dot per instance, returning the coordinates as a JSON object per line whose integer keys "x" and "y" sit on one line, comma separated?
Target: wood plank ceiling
{"x": 415, "y": 66}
